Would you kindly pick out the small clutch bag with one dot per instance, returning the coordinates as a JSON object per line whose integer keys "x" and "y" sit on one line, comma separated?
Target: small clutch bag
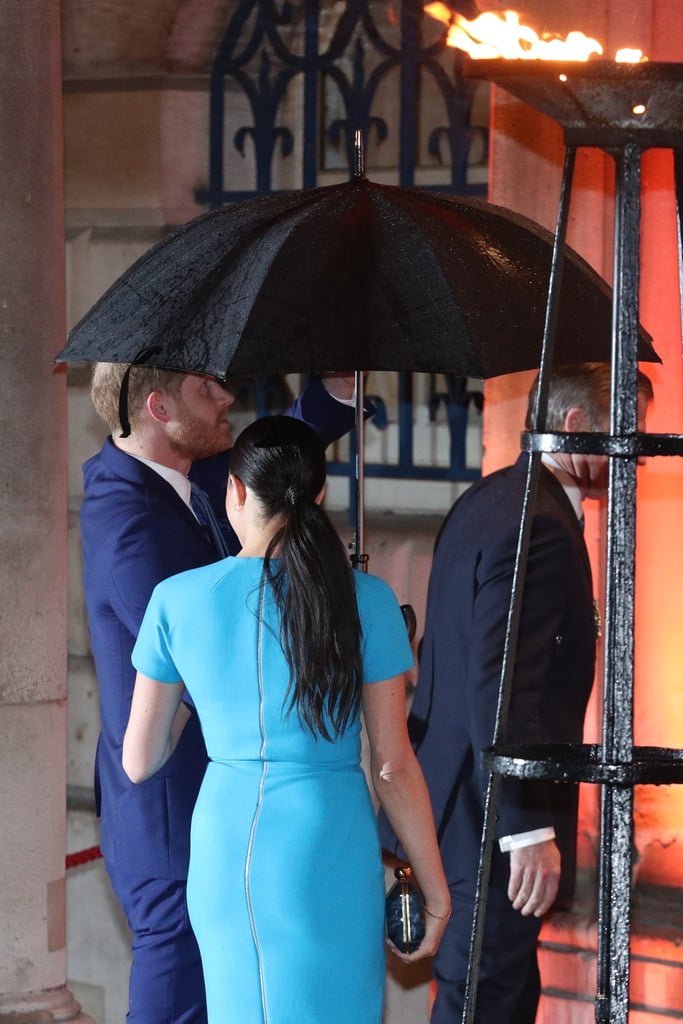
{"x": 405, "y": 912}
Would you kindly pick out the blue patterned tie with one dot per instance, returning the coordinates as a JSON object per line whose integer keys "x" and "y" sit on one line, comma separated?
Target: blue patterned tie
{"x": 201, "y": 506}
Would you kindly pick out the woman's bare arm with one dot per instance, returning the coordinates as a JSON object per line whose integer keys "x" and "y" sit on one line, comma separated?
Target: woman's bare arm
{"x": 157, "y": 719}
{"x": 402, "y": 792}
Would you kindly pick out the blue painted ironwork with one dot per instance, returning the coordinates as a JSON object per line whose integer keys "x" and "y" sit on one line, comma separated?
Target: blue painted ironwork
{"x": 362, "y": 54}
{"x": 254, "y": 57}
{"x": 404, "y": 468}
{"x": 270, "y": 395}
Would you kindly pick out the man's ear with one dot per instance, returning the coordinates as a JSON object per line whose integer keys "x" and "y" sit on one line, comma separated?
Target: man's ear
{"x": 321, "y": 497}
{"x": 576, "y": 421}
{"x": 157, "y": 406}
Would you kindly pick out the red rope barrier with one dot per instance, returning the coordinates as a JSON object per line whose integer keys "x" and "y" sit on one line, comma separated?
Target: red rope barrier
{"x": 73, "y": 860}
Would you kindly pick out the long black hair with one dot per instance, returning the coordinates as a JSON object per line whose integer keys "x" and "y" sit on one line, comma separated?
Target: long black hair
{"x": 282, "y": 461}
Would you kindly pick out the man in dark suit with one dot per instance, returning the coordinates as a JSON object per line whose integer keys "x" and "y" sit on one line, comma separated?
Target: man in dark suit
{"x": 138, "y": 528}
{"x": 454, "y": 708}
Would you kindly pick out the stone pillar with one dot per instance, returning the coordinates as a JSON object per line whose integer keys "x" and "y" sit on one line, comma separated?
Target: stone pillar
{"x": 32, "y": 521}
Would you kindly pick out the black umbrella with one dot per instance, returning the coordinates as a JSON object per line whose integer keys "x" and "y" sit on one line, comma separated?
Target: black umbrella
{"x": 351, "y": 276}
{"x": 358, "y": 276}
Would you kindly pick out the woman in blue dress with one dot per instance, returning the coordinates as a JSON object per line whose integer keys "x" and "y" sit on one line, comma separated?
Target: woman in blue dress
{"x": 279, "y": 649}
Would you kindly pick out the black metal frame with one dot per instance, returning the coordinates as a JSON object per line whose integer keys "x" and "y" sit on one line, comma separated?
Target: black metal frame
{"x": 617, "y": 765}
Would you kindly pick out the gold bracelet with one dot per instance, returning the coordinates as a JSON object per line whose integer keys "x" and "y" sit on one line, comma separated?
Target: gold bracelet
{"x": 439, "y": 917}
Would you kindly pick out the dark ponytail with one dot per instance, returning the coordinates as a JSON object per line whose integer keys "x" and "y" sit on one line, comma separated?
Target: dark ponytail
{"x": 282, "y": 461}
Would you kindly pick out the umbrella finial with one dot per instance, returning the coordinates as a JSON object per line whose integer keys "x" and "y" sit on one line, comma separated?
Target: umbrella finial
{"x": 359, "y": 154}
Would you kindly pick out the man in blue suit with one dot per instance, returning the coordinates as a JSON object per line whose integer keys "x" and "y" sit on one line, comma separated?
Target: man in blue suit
{"x": 138, "y": 528}
{"x": 454, "y": 708}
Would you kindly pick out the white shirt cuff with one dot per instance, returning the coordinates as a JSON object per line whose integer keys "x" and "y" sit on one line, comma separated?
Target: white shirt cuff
{"x": 520, "y": 839}
{"x": 344, "y": 401}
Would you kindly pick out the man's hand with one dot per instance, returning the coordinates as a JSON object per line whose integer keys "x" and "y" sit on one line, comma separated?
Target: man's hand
{"x": 340, "y": 385}
{"x": 534, "y": 878}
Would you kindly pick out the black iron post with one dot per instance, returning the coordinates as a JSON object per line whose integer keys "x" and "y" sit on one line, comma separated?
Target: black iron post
{"x": 616, "y": 829}
{"x": 623, "y": 111}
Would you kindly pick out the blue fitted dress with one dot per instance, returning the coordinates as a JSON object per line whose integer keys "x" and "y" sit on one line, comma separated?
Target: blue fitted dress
{"x": 285, "y": 889}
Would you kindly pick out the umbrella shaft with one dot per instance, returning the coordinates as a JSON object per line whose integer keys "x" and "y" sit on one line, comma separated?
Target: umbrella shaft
{"x": 359, "y": 558}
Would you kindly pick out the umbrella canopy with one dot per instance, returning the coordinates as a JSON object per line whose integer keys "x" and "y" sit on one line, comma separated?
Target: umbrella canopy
{"x": 352, "y": 276}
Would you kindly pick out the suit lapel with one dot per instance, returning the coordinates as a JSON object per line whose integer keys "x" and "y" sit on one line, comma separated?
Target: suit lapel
{"x": 137, "y": 473}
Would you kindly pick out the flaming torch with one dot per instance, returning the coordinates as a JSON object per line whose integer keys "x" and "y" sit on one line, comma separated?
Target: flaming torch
{"x": 501, "y": 34}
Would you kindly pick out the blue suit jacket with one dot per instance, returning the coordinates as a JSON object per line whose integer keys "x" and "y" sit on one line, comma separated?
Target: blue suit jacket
{"x": 453, "y": 711}
{"x": 136, "y": 531}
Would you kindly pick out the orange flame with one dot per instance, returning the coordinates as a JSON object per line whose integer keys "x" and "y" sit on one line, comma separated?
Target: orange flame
{"x": 501, "y": 34}
{"x": 629, "y": 56}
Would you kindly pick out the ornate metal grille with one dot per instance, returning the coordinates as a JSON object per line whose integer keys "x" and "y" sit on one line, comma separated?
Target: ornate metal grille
{"x": 290, "y": 85}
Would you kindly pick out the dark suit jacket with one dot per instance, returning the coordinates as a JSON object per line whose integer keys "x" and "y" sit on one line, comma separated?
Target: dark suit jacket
{"x": 136, "y": 531}
{"x": 453, "y": 712}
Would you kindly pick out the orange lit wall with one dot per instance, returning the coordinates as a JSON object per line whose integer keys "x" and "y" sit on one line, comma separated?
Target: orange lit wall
{"x": 527, "y": 155}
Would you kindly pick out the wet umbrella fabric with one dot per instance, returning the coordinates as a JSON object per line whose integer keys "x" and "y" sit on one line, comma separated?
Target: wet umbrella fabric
{"x": 357, "y": 275}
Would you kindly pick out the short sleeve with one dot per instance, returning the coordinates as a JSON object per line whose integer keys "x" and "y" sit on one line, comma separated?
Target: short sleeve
{"x": 151, "y": 653}
{"x": 386, "y": 648}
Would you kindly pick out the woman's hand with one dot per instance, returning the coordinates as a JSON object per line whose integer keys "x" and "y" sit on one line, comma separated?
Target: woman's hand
{"x": 435, "y": 926}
